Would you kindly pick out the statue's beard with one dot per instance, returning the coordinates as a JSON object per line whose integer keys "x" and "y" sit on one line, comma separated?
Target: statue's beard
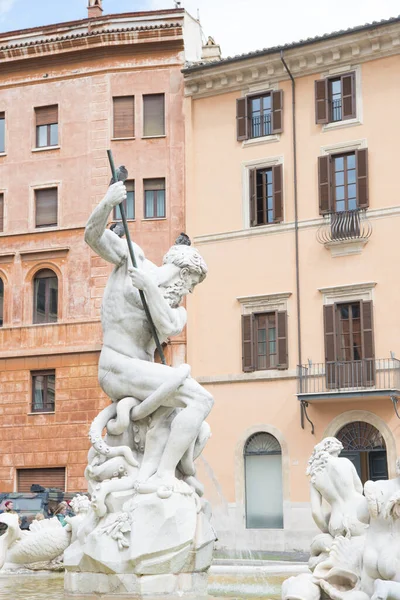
{"x": 174, "y": 293}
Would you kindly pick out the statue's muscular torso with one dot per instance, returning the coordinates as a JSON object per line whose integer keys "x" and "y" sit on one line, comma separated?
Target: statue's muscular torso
{"x": 125, "y": 326}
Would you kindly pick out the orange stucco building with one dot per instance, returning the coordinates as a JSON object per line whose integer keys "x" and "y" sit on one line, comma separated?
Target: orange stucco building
{"x": 293, "y": 202}
{"x": 68, "y": 92}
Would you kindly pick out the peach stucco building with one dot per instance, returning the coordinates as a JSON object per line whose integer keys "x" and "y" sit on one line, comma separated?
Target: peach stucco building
{"x": 68, "y": 92}
{"x": 291, "y": 197}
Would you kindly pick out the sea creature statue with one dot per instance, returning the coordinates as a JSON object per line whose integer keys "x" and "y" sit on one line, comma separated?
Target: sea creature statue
{"x": 45, "y": 540}
{"x": 350, "y": 560}
{"x": 148, "y": 529}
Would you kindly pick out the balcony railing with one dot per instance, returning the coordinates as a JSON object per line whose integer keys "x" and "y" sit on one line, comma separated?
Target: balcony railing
{"x": 336, "y": 106}
{"x": 349, "y": 376}
{"x": 261, "y": 125}
{"x": 344, "y": 226}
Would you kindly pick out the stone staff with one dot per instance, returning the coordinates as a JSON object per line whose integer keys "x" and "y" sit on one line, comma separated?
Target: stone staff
{"x": 121, "y": 175}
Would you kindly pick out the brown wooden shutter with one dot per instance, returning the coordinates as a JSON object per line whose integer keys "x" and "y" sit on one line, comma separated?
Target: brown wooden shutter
{"x": 242, "y": 122}
{"x": 47, "y": 478}
{"x": 348, "y": 96}
{"x": 1, "y": 212}
{"x": 46, "y": 115}
{"x": 253, "y": 197}
{"x": 368, "y": 342}
{"x": 281, "y": 334}
{"x": 277, "y": 186}
{"x": 153, "y": 115}
{"x": 330, "y": 344}
{"x": 277, "y": 111}
{"x": 321, "y": 101}
{"x": 247, "y": 343}
{"x": 46, "y": 207}
{"x": 124, "y": 116}
{"x": 324, "y": 184}
{"x": 362, "y": 178}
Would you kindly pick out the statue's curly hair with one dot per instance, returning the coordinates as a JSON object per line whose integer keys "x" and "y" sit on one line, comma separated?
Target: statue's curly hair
{"x": 186, "y": 256}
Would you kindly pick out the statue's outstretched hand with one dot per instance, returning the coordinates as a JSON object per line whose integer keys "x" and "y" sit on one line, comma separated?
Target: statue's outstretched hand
{"x": 140, "y": 279}
{"x": 116, "y": 193}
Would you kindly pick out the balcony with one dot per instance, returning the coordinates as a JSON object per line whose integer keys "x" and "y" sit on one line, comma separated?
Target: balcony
{"x": 345, "y": 232}
{"x": 261, "y": 125}
{"x": 345, "y": 380}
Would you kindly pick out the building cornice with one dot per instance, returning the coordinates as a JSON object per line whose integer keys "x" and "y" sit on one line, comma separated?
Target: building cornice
{"x": 92, "y": 40}
{"x": 278, "y": 228}
{"x": 311, "y": 58}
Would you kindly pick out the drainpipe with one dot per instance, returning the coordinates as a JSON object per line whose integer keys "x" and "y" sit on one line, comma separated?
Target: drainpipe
{"x": 296, "y": 218}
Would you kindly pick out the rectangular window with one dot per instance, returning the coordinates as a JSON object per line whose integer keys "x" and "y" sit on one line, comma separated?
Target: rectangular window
{"x": 343, "y": 182}
{"x": 124, "y": 117}
{"x": 47, "y": 478}
{"x": 129, "y": 203}
{"x": 46, "y": 201}
{"x": 46, "y": 126}
{"x": 349, "y": 344}
{"x": 260, "y": 110}
{"x": 153, "y": 115}
{"x": 266, "y": 198}
{"x": 264, "y": 341}
{"x": 2, "y": 132}
{"x": 43, "y": 390}
{"x": 259, "y": 115}
{"x": 154, "y": 198}
{"x": 1, "y": 212}
{"x": 335, "y": 99}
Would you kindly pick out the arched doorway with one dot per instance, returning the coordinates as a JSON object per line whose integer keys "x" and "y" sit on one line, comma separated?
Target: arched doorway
{"x": 364, "y": 445}
{"x": 263, "y": 482}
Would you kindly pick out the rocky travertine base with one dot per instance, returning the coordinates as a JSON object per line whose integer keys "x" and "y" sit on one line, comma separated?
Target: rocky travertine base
{"x": 133, "y": 586}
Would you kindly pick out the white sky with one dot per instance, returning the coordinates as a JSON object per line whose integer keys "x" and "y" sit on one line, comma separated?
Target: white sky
{"x": 246, "y": 25}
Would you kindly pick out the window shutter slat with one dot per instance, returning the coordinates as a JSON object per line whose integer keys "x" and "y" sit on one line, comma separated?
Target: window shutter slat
{"x": 46, "y": 207}
{"x": 321, "y": 101}
{"x": 281, "y": 326}
{"x": 253, "y": 197}
{"x": 330, "y": 344}
{"x": 46, "y": 115}
{"x": 48, "y": 478}
{"x": 277, "y": 111}
{"x": 1, "y": 212}
{"x": 247, "y": 343}
{"x": 348, "y": 96}
{"x": 324, "y": 184}
{"x": 362, "y": 178}
{"x": 277, "y": 185}
{"x": 368, "y": 342}
{"x": 153, "y": 115}
{"x": 242, "y": 123}
{"x": 124, "y": 116}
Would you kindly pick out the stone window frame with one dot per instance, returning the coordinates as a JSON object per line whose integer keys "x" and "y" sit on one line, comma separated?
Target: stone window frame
{"x": 259, "y": 163}
{"x": 358, "y": 120}
{"x": 352, "y": 292}
{"x": 32, "y": 205}
{"x": 29, "y": 290}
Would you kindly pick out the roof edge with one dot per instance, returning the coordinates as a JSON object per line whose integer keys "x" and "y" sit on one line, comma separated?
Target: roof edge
{"x": 191, "y": 68}
{"x": 102, "y": 19}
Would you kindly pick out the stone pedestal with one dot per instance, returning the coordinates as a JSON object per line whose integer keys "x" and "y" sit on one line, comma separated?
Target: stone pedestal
{"x": 104, "y": 585}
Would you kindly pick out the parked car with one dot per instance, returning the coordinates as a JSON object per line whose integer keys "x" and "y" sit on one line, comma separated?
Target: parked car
{"x": 39, "y": 500}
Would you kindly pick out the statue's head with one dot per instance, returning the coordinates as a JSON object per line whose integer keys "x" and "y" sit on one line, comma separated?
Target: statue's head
{"x": 185, "y": 268}
{"x": 331, "y": 445}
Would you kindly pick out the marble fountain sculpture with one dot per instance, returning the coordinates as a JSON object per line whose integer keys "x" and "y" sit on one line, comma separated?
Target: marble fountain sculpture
{"x": 148, "y": 529}
{"x": 357, "y": 554}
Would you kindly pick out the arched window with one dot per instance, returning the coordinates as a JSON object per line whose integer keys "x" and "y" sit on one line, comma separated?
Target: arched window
{"x": 263, "y": 476}
{"x": 364, "y": 445}
{"x": 1, "y": 301}
{"x": 45, "y": 297}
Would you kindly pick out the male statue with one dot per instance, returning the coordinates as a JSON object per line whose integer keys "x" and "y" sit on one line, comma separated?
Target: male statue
{"x": 126, "y": 367}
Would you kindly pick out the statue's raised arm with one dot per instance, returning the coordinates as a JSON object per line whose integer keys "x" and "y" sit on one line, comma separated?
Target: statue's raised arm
{"x": 103, "y": 241}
